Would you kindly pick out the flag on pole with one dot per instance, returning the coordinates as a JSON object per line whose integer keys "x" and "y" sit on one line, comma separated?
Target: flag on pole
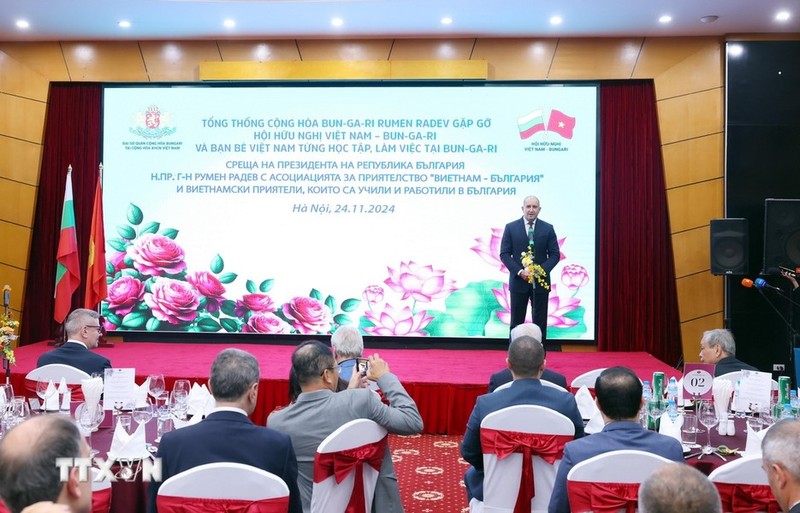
{"x": 68, "y": 274}
{"x": 96, "y": 287}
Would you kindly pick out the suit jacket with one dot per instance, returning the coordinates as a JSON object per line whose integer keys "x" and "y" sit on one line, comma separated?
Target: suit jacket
{"x": 315, "y": 415}
{"x": 504, "y": 376}
{"x": 521, "y": 391}
{"x": 515, "y": 242}
{"x": 731, "y": 364}
{"x": 227, "y": 436}
{"x": 76, "y": 355}
{"x": 614, "y": 436}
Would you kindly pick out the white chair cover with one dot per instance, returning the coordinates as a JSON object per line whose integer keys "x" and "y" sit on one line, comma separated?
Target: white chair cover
{"x": 56, "y": 371}
{"x": 743, "y": 484}
{"x": 587, "y": 378}
{"x": 225, "y": 480}
{"x": 544, "y": 383}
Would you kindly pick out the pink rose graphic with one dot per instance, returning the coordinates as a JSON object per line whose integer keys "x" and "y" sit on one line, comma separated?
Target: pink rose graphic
{"x": 421, "y": 283}
{"x": 308, "y": 315}
{"x": 254, "y": 303}
{"x": 108, "y": 325}
{"x": 403, "y": 323}
{"x": 489, "y": 250}
{"x": 266, "y": 323}
{"x": 124, "y": 294}
{"x": 156, "y": 255}
{"x": 117, "y": 259}
{"x": 173, "y": 301}
{"x": 209, "y": 286}
{"x": 373, "y": 294}
{"x": 574, "y": 276}
{"x": 558, "y": 307}
{"x": 504, "y": 313}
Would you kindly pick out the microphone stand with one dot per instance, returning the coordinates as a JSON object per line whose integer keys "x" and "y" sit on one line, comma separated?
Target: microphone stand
{"x": 793, "y": 334}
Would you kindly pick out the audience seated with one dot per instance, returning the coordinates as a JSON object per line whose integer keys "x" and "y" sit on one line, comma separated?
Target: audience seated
{"x": 619, "y": 399}
{"x": 504, "y": 376}
{"x": 30, "y": 480}
{"x": 83, "y": 330}
{"x": 526, "y": 362}
{"x": 718, "y": 347}
{"x": 319, "y": 411}
{"x": 227, "y": 434}
{"x": 779, "y": 453}
{"x": 347, "y": 344}
{"x": 678, "y": 488}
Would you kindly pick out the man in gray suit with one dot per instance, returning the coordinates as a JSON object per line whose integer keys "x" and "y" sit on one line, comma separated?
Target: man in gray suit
{"x": 319, "y": 411}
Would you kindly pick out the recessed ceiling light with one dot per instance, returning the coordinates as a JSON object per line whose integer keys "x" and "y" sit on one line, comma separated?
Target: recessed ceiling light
{"x": 337, "y": 22}
{"x": 23, "y": 24}
{"x": 709, "y": 19}
{"x": 447, "y": 20}
{"x": 665, "y": 19}
{"x": 735, "y": 50}
{"x": 556, "y": 20}
{"x": 782, "y": 16}
{"x": 124, "y": 24}
{"x": 229, "y": 23}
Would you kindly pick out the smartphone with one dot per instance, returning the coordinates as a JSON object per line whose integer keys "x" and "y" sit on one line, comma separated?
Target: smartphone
{"x": 790, "y": 272}
{"x": 362, "y": 364}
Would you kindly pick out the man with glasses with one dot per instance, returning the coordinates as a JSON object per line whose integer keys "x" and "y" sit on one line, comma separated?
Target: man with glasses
{"x": 83, "y": 329}
{"x": 319, "y": 411}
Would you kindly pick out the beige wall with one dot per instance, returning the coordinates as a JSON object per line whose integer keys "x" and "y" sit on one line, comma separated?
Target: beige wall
{"x": 688, "y": 74}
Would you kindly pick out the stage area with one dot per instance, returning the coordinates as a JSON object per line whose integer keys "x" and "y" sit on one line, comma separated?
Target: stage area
{"x": 443, "y": 382}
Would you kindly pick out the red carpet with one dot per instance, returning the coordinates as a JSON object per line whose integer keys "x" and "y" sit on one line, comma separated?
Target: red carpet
{"x": 443, "y": 382}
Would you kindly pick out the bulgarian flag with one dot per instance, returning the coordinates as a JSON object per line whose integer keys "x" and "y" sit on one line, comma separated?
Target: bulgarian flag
{"x": 96, "y": 288}
{"x": 68, "y": 275}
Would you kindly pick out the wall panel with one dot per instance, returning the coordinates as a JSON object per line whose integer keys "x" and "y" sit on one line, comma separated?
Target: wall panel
{"x": 692, "y": 251}
{"x": 19, "y": 80}
{"x": 693, "y": 206}
{"x": 699, "y": 295}
{"x": 346, "y": 50}
{"x": 692, "y": 332}
{"x": 19, "y": 201}
{"x": 108, "y": 61}
{"x": 14, "y": 254}
{"x": 19, "y": 160}
{"x": 437, "y": 49}
{"x": 694, "y": 160}
{"x": 693, "y": 115}
{"x": 681, "y": 65}
{"x": 595, "y": 58}
{"x": 168, "y": 61}
{"x": 21, "y": 118}
{"x": 44, "y": 58}
{"x": 259, "y": 51}
{"x": 516, "y": 59}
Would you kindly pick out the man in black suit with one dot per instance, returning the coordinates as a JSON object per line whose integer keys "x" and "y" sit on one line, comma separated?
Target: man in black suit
{"x": 518, "y": 235}
{"x": 717, "y": 347}
{"x": 83, "y": 330}
{"x": 227, "y": 434}
{"x": 504, "y": 376}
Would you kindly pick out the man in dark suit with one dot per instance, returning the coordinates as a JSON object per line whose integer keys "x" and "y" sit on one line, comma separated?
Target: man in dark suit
{"x": 227, "y": 434}
{"x": 504, "y": 376}
{"x": 83, "y": 330}
{"x": 531, "y": 231}
{"x": 779, "y": 457}
{"x": 717, "y": 347}
{"x": 619, "y": 399}
{"x": 526, "y": 361}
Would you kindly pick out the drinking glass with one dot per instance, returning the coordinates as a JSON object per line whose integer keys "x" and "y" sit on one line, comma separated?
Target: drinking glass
{"x": 689, "y": 430}
{"x": 178, "y": 404}
{"x": 142, "y": 413}
{"x": 125, "y": 421}
{"x": 655, "y": 409}
{"x": 707, "y": 415}
{"x": 156, "y": 385}
{"x": 90, "y": 421}
{"x": 181, "y": 385}
{"x": 21, "y": 409}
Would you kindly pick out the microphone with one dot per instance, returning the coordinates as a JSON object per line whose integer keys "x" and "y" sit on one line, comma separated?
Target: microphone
{"x": 747, "y": 282}
{"x": 761, "y": 283}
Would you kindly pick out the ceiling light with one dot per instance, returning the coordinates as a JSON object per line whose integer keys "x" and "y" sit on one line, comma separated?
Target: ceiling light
{"x": 782, "y": 16}
{"x": 337, "y": 22}
{"x": 665, "y": 19}
{"x": 709, "y": 19}
{"x": 124, "y": 24}
{"x": 556, "y": 20}
{"x": 447, "y": 20}
{"x": 229, "y": 23}
{"x": 735, "y": 50}
{"x": 23, "y": 24}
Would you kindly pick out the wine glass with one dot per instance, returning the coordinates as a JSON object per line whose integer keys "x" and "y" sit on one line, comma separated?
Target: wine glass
{"x": 178, "y": 404}
{"x": 181, "y": 385}
{"x": 143, "y": 412}
{"x": 90, "y": 419}
{"x": 655, "y": 409}
{"x": 707, "y": 415}
{"x": 21, "y": 410}
{"x": 44, "y": 391}
{"x": 156, "y": 385}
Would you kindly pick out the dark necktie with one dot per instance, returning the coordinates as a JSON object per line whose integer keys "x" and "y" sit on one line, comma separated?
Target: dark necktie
{"x": 530, "y": 232}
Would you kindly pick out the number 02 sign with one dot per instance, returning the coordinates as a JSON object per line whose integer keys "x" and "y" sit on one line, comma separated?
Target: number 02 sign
{"x": 698, "y": 380}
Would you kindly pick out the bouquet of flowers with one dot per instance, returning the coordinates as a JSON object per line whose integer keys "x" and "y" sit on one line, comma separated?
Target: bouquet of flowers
{"x": 7, "y": 328}
{"x": 535, "y": 271}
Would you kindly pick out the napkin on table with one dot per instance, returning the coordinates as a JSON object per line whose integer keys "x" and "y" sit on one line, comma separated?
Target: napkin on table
{"x": 128, "y": 447}
{"x": 65, "y": 394}
{"x": 754, "y": 439}
{"x": 92, "y": 391}
{"x": 200, "y": 401}
{"x": 51, "y": 401}
{"x": 671, "y": 428}
{"x": 586, "y": 404}
{"x": 722, "y": 391}
{"x": 140, "y": 393}
{"x": 178, "y": 423}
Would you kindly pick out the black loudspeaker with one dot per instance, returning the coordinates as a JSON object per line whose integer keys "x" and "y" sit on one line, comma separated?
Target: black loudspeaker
{"x": 781, "y": 234}
{"x": 729, "y": 246}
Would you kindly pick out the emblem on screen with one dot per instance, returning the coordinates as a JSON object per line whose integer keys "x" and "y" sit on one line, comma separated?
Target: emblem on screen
{"x": 557, "y": 122}
{"x": 152, "y": 123}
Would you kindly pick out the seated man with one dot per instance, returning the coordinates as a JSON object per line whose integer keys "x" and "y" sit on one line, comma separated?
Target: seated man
{"x": 83, "y": 330}
{"x": 779, "y": 451}
{"x": 319, "y": 411}
{"x": 504, "y": 376}
{"x": 526, "y": 361}
{"x": 717, "y": 347}
{"x": 678, "y": 488}
{"x": 619, "y": 399}
{"x": 29, "y": 473}
{"x": 348, "y": 344}
{"x": 227, "y": 434}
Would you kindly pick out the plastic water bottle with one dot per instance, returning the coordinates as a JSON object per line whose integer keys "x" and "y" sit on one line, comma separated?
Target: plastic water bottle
{"x": 787, "y": 412}
{"x": 647, "y": 396}
{"x": 794, "y": 402}
{"x": 672, "y": 398}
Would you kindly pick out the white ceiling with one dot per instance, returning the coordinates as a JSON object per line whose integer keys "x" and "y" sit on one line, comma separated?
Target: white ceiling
{"x": 304, "y": 19}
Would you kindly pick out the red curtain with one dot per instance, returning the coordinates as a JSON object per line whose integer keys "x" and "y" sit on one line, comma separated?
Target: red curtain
{"x": 71, "y": 137}
{"x": 637, "y": 298}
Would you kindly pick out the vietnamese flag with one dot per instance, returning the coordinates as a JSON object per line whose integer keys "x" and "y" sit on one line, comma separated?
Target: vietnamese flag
{"x": 96, "y": 287}
{"x": 68, "y": 274}
{"x": 561, "y": 124}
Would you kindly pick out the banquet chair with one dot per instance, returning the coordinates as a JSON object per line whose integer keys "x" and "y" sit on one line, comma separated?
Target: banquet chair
{"x": 101, "y": 493}
{"x": 223, "y": 486}
{"x": 55, "y": 371}
{"x": 519, "y": 441}
{"x": 544, "y": 383}
{"x": 743, "y": 486}
{"x": 586, "y": 379}
{"x": 610, "y": 481}
{"x": 346, "y": 467}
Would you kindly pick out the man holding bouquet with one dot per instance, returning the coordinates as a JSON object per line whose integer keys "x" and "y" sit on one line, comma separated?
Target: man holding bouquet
{"x": 532, "y": 241}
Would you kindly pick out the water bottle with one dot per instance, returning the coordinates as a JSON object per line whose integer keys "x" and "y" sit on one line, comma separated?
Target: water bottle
{"x": 672, "y": 399}
{"x": 787, "y": 412}
{"x": 794, "y": 402}
{"x": 647, "y": 395}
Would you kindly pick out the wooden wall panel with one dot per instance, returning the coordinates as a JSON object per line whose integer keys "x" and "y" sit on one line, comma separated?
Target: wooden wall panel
{"x": 19, "y": 160}
{"x": 516, "y": 59}
{"x": 16, "y": 254}
{"x": 595, "y": 58}
{"x": 168, "y": 61}
{"x": 15, "y": 278}
{"x": 692, "y": 115}
{"x": 19, "y": 201}
{"x": 45, "y": 58}
{"x": 259, "y": 51}
{"x": 681, "y": 65}
{"x": 108, "y": 61}
{"x": 692, "y": 251}
{"x": 346, "y": 50}
{"x": 692, "y": 304}
{"x": 694, "y": 205}
{"x": 692, "y": 332}
{"x": 19, "y": 80}
{"x": 21, "y": 118}
{"x": 694, "y": 160}
{"x": 436, "y": 49}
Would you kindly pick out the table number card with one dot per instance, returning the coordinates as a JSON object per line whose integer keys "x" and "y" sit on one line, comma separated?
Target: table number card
{"x": 698, "y": 380}
{"x": 118, "y": 389}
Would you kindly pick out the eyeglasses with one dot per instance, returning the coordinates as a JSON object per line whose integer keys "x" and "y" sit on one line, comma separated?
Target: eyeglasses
{"x": 327, "y": 369}
{"x": 98, "y": 328}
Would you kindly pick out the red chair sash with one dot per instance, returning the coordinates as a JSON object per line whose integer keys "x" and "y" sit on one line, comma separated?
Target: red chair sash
{"x": 101, "y": 501}
{"x": 503, "y": 443}
{"x": 170, "y": 504}
{"x": 602, "y": 497}
{"x": 76, "y": 393}
{"x": 341, "y": 464}
{"x": 747, "y": 498}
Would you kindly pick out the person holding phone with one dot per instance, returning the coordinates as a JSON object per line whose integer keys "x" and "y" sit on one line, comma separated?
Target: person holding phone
{"x": 348, "y": 346}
